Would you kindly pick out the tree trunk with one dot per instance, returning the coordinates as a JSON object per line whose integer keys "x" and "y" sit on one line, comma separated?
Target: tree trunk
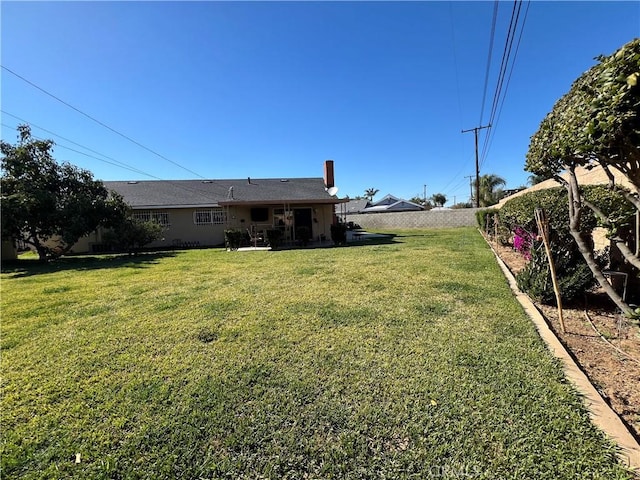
{"x": 626, "y": 252}
{"x": 42, "y": 252}
{"x": 620, "y": 243}
{"x": 575, "y": 212}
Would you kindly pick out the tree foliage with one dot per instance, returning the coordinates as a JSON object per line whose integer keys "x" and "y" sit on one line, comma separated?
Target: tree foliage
{"x": 439, "y": 199}
{"x": 490, "y": 189}
{"x": 595, "y": 125}
{"x": 370, "y": 193}
{"x": 49, "y": 205}
{"x": 598, "y": 120}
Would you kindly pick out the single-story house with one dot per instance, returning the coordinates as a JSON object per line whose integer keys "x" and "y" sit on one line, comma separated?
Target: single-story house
{"x": 389, "y": 203}
{"x": 197, "y": 212}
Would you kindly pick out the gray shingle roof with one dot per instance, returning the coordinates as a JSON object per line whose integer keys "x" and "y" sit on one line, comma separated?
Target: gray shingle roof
{"x": 355, "y": 206}
{"x": 186, "y": 193}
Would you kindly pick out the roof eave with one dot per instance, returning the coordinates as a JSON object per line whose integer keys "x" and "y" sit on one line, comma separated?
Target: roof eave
{"x": 198, "y": 205}
{"x": 328, "y": 201}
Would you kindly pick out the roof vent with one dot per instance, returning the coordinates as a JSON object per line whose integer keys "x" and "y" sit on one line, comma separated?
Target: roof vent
{"x": 133, "y": 182}
{"x": 207, "y": 181}
{"x": 284, "y": 180}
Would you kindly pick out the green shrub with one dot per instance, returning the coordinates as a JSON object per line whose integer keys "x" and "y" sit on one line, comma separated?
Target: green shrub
{"x": 274, "y": 237}
{"x": 233, "y": 238}
{"x": 520, "y": 212}
{"x": 574, "y": 276}
{"x": 484, "y": 218}
{"x": 339, "y": 233}
{"x": 131, "y": 235}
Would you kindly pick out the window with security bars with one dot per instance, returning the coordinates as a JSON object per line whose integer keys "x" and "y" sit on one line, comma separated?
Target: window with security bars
{"x": 213, "y": 216}
{"x": 147, "y": 216}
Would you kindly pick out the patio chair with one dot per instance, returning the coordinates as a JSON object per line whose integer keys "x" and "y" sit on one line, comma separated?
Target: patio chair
{"x": 255, "y": 236}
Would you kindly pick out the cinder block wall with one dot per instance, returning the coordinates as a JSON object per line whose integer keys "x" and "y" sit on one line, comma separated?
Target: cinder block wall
{"x": 464, "y": 217}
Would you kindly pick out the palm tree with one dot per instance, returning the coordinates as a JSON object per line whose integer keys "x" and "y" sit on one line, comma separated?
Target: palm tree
{"x": 370, "y": 193}
{"x": 439, "y": 199}
{"x": 490, "y": 193}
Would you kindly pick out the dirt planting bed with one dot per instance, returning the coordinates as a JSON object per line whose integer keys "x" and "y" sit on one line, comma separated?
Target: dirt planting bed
{"x": 612, "y": 363}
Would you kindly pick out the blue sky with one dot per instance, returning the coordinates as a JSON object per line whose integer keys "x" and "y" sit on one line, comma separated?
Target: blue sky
{"x": 272, "y": 89}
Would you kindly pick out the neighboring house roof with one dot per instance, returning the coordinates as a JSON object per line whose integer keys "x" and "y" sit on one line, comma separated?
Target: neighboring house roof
{"x": 389, "y": 203}
{"x": 355, "y": 206}
{"x": 595, "y": 176}
{"x": 213, "y": 193}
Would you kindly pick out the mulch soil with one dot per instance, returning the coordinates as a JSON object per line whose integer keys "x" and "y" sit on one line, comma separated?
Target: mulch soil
{"x": 610, "y": 357}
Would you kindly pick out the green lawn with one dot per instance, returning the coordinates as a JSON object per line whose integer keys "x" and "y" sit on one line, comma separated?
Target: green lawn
{"x": 406, "y": 359}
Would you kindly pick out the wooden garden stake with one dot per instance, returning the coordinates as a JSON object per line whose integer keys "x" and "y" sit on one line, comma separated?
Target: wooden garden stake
{"x": 543, "y": 228}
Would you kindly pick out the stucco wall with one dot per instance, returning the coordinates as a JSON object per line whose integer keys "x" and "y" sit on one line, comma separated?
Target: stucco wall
{"x": 182, "y": 230}
{"x": 463, "y": 217}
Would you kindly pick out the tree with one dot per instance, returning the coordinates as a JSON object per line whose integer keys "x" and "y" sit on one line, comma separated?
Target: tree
{"x": 535, "y": 179}
{"x": 370, "y": 193}
{"x": 49, "y": 205}
{"x": 595, "y": 125}
{"x": 439, "y": 199}
{"x": 421, "y": 201}
{"x": 490, "y": 194}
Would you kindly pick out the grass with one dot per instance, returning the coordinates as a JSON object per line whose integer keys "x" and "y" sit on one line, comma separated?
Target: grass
{"x": 408, "y": 359}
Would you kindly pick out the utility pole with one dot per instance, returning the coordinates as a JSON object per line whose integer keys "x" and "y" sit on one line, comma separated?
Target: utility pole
{"x": 470, "y": 187}
{"x": 475, "y": 131}
{"x": 424, "y": 195}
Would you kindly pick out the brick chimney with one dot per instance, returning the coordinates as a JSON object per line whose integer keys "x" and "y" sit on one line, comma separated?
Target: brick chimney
{"x": 328, "y": 174}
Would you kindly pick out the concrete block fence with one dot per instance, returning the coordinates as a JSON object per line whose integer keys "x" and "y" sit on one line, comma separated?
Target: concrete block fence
{"x": 463, "y": 217}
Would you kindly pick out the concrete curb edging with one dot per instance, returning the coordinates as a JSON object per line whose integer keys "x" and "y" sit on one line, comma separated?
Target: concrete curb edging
{"x": 602, "y": 415}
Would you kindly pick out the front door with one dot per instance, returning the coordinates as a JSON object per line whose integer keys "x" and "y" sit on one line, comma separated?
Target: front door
{"x": 302, "y": 218}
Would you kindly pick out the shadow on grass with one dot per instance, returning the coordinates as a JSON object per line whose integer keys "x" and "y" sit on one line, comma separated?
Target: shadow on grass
{"x": 29, "y": 267}
{"x": 382, "y": 239}
{"x": 378, "y": 239}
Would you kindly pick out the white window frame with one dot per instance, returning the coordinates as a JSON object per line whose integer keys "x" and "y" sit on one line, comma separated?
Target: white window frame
{"x": 210, "y": 216}
{"x": 161, "y": 218}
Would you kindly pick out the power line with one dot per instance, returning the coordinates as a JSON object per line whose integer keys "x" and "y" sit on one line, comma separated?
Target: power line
{"x": 489, "y": 139}
{"x": 99, "y": 122}
{"x": 486, "y": 75}
{"x": 457, "y": 175}
{"x": 506, "y": 53}
{"x": 117, "y": 163}
{"x": 455, "y": 62}
{"x": 501, "y": 88}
